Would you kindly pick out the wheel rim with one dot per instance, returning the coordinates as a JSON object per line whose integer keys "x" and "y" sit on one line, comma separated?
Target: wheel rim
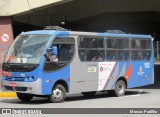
{"x": 120, "y": 88}
{"x": 57, "y": 94}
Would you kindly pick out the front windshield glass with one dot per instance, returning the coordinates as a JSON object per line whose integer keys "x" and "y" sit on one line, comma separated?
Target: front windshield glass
{"x": 27, "y": 49}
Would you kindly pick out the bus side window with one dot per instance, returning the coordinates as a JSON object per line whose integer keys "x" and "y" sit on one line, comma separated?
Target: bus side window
{"x": 91, "y": 49}
{"x": 147, "y": 55}
{"x": 111, "y": 55}
{"x": 140, "y": 56}
{"x": 132, "y": 56}
{"x": 127, "y": 55}
{"x": 82, "y": 55}
{"x": 121, "y": 55}
{"x": 66, "y": 52}
{"x": 99, "y": 56}
{"x": 137, "y": 55}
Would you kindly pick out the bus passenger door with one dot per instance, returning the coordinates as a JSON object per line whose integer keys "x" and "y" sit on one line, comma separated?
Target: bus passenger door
{"x": 85, "y": 66}
{"x": 57, "y": 65}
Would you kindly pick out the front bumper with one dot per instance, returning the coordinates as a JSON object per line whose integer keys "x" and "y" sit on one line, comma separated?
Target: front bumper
{"x": 23, "y": 87}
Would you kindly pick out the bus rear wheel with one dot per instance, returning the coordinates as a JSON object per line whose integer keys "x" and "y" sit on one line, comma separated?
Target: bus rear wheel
{"x": 24, "y": 97}
{"x": 120, "y": 88}
{"x": 58, "y": 94}
{"x": 89, "y": 94}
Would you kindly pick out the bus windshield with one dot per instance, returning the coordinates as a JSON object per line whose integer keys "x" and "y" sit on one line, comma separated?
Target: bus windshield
{"x": 27, "y": 49}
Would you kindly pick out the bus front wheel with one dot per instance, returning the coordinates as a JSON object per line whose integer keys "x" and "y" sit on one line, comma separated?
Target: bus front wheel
{"x": 120, "y": 88}
{"x": 58, "y": 94}
{"x": 24, "y": 97}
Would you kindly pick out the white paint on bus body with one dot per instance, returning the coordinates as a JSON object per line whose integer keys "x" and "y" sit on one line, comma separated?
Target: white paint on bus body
{"x": 105, "y": 70}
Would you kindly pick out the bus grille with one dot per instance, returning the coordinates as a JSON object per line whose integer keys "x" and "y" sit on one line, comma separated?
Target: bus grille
{"x": 20, "y": 88}
{"x": 15, "y": 88}
{"x": 8, "y": 88}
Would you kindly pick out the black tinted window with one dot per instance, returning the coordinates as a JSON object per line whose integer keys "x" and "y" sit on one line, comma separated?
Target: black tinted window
{"x": 118, "y": 43}
{"x": 141, "y": 49}
{"x": 91, "y": 49}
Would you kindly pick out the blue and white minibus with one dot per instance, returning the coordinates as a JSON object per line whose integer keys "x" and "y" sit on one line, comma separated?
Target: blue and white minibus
{"x": 55, "y": 62}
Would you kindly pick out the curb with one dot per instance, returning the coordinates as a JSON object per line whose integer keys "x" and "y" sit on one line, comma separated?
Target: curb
{"x": 7, "y": 94}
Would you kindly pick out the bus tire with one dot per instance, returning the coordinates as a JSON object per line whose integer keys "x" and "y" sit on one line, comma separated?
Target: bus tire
{"x": 89, "y": 94}
{"x": 24, "y": 97}
{"x": 120, "y": 88}
{"x": 58, "y": 94}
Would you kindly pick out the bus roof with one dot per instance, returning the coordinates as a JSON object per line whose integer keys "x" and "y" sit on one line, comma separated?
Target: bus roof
{"x": 109, "y": 34}
{"x": 47, "y": 32}
{"x": 75, "y": 33}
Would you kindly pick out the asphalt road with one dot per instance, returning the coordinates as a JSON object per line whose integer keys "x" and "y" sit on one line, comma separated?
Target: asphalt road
{"x": 146, "y": 97}
{"x": 134, "y": 98}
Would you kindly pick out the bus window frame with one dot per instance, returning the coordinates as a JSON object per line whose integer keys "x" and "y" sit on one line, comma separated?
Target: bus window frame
{"x": 101, "y": 49}
{"x": 68, "y": 62}
{"x": 116, "y": 49}
{"x": 106, "y": 38}
{"x": 132, "y": 49}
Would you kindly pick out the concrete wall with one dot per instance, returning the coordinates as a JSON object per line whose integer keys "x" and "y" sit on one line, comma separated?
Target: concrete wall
{"x": 6, "y": 38}
{"x": 14, "y": 7}
{"x": 133, "y": 22}
{"x": 96, "y": 13}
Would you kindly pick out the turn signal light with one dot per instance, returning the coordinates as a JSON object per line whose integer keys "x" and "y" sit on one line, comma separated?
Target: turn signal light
{"x": 5, "y": 73}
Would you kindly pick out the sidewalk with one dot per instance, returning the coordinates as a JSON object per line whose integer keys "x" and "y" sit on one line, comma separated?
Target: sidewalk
{"x": 5, "y": 94}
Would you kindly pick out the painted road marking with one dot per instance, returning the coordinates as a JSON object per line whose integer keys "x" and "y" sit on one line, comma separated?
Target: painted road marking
{"x": 7, "y": 94}
{"x": 138, "y": 94}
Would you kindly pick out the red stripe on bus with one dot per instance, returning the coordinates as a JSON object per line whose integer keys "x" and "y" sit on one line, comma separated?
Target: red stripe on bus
{"x": 129, "y": 72}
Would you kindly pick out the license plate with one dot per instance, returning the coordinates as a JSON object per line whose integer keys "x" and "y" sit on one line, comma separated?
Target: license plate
{"x": 12, "y": 84}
